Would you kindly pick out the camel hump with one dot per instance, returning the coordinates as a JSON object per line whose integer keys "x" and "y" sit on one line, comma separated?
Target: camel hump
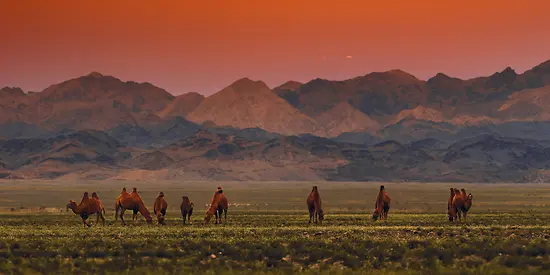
{"x": 134, "y": 190}
{"x": 94, "y": 195}
{"x": 123, "y": 189}
{"x": 85, "y": 194}
{"x": 381, "y": 187}
{"x": 161, "y": 194}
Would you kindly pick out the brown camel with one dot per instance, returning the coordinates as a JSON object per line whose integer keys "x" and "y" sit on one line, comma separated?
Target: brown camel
{"x": 88, "y": 207}
{"x": 134, "y": 202}
{"x": 186, "y": 209}
{"x": 381, "y": 205}
{"x": 218, "y": 206}
{"x": 314, "y": 206}
{"x": 160, "y": 207}
{"x": 457, "y": 205}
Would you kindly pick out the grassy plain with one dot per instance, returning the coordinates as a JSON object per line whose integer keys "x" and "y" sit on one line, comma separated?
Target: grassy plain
{"x": 507, "y": 232}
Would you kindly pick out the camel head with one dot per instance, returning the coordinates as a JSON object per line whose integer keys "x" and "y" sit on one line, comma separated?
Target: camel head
{"x": 71, "y": 205}
{"x": 381, "y": 188}
{"x": 321, "y": 215}
{"x": 314, "y": 188}
{"x": 123, "y": 190}
{"x": 134, "y": 190}
{"x": 161, "y": 194}
{"x": 219, "y": 190}
{"x": 207, "y": 217}
{"x": 468, "y": 201}
{"x": 160, "y": 218}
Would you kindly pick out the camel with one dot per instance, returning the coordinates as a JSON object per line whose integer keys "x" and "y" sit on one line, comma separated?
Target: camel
{"x": 381, "y": 205}
{"x": 186, "y": 209}
{"x": 88, "y": 207}
{"x": 159, "y": 208}
{"x": 314, "y": 206}
{"x": 460, "y": 205}
{"x": 134, "y": 202}
{"x": 218, "y": 206}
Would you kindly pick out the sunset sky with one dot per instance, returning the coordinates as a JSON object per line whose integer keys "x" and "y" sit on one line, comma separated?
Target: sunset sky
{"x": 202, "y": 46}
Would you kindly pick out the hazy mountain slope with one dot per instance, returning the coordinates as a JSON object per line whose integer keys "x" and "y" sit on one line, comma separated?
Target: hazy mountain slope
{"x": 95, "y": 101}
{"x": 182, "y": 105}
{"x": 249, "y": 104}
{"x": 344, "y": 118}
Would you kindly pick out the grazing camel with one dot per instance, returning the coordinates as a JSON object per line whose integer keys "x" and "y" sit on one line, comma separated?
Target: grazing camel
{"x": 218, "y": 206}
{"x": 381, "y": 205}
{"x": 133, "y": 202}
{"x": 314, "y": 206}
{"x": 186, "y": 209}
{"x": 88, "y": 207}
{"x": 159, "y": 208}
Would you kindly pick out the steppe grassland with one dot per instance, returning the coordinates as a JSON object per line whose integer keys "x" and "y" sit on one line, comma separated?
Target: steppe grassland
{"x": 267, "y": 231}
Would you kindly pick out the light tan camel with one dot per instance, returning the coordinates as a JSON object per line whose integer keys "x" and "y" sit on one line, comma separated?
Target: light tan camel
{"x": 218, "y": 206}
{"x": 132, "y": 202}
{"x": 88, "y": 207}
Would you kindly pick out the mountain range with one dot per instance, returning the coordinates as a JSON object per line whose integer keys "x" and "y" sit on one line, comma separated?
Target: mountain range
{"x": 380, "y": 126}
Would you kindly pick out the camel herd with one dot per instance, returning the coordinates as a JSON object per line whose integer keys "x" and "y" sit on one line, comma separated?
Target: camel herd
{"x": 458, "y": 205}
{"x": 132, "y": 201}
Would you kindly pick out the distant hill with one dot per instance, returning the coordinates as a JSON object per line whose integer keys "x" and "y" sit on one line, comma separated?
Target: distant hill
{"x": 181, "y": 106}
{"x": 387, "y": 126}
{"x": 248, "y": 104}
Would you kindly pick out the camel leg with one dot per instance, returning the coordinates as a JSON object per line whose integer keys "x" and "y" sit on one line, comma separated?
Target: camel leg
{"x": 216, "y": 213}
{"x": 97, "y": 218}
{"x": 135, "y": 216}
{"x": 310, "y": 215}
{"x": 102, "y": 219}
{"x": 317, "y": 216}
{"x": 225, "y": 215}
{"x": 85, "y": 223}
{"x": 122, "y": 216}
{"x": 184, "y": 215}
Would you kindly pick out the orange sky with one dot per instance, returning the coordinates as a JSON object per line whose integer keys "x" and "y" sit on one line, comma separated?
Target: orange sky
{"x": 202, "y": 46}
